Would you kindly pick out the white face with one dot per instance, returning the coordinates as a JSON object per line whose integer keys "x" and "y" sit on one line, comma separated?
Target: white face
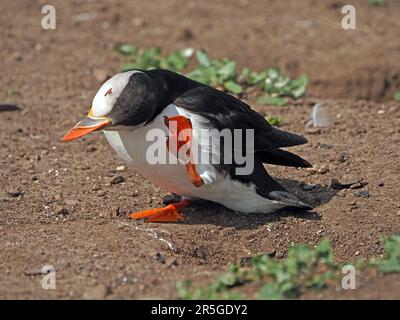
{"x": 105, "y": 98}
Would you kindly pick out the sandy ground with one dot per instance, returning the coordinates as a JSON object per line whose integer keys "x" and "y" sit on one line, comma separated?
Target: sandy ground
{"x": 57, "y": 203}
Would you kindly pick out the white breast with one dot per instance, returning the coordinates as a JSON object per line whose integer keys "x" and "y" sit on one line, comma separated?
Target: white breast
{"x": 132, "y": 146}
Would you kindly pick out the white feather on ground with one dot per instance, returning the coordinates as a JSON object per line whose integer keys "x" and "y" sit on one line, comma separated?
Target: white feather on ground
{"x": 319, "y": 117}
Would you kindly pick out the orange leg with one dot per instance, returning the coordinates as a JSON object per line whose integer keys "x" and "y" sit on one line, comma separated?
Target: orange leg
{"x": 181, "y": 124}
{"x": 193, "y": 176}
{"x": 170, "y": 213}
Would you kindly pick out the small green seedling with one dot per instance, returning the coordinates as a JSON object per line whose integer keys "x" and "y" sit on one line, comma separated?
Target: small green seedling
{"x": 391, "y": 261}
{"x": 377, "y": 3}
{"x": 274, "y": 121}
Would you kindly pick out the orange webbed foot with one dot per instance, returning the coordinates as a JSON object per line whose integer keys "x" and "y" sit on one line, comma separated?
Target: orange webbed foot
{"x": 170, "y": 213}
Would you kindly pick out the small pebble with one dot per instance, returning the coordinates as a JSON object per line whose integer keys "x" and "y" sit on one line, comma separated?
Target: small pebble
{"x": 71, "y": 203}
{"x": 322, "y": 170}
{"x": 117, "y": 180}
{"x": 91, "y": 148}
{"x": 357, "y": 185}
{"x": 120, "y": 168}
{"x": 15, "y": 193}
{"x": 160, "y": 258}
{"x": 63, "y": 212}
{"x": 115, "y": 212}
{"x": 362, "y": 194}
{"x": 347, "y": 180}
{"x": 313, "y": 130}
{"x": 101, "y": 193}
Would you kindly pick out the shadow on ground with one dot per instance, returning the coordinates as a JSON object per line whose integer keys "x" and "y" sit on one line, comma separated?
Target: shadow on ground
{"x": 206, "y": 212}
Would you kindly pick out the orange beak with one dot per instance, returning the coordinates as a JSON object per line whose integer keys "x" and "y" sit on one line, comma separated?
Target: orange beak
{"x": 86, "y": 126}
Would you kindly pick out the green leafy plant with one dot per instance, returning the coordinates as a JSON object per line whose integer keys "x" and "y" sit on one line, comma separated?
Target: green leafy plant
{"x": 274, "y": 121}
{"x": 151, "y": 58}
{"x": 221, "y": 73}
{"x": 215, "y": 72}
{"x": 305, "y": 267}
{"x": 377, "y": 3}
{"x": 277, "y": 86}
{"x": 397, "y": 96}
{"x": 391, "y": 261}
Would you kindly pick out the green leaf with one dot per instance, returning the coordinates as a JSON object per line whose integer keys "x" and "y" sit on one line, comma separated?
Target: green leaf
{"x": 324, "y": 251}
{"x": 150, "y": 58}
{"x": 273, "y": 73}
{"x": 391, "y": 262}
{"x": 175, "y": 62}
{"x": 397, "y": 96}
{"x": 227, "y": 71}
{"x": 184, "y": 289}
{"x": 257, "y": 78}
{"x": 246, "y": 73}
{"x": 269, "y": 100}
{"x": 270, "y": 291}
{"x": 233, "y": 87}
{"x": 204, "y": 75}
{"x": 202, "y": 58}
{"x": 127, "y": 49}
{"x": 273, "y": 121}
{"x": 299, "y": 86}
{"x": 377, "y": 3}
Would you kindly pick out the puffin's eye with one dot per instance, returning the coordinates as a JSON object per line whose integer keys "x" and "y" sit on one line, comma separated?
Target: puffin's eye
{"x": 109, "y": 91}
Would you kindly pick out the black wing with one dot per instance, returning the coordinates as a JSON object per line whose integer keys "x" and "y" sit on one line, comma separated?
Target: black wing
{"x": 225, "y": 111}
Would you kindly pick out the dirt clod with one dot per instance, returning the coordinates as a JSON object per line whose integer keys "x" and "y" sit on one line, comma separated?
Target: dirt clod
{"x": 62, "y": 211}
{"x": 91, "y": 148}
{"x": 117, "y": 180}
{"x": 15, "y": 193}
{"x": 362, "y": 194}
{"x": 160, "y": 258}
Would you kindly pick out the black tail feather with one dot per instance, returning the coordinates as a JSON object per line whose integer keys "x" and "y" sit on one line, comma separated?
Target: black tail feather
{"x": 289, "y": 199}
{"x": 283, "y": 158}
{"x": 280, "y": 138}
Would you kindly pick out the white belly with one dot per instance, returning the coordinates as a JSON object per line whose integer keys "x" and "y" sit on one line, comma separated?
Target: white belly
{"x": 132, "y": 146}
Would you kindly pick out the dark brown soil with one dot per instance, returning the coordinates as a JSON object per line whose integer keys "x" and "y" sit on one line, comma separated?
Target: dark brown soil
{"x": 58, "y": 207}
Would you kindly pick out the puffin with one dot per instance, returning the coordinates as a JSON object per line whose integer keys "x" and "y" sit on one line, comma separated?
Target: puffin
{"x": 152, "y": 117}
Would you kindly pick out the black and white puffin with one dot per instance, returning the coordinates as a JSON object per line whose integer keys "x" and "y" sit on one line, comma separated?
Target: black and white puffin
{"x": 131, "y": 104}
